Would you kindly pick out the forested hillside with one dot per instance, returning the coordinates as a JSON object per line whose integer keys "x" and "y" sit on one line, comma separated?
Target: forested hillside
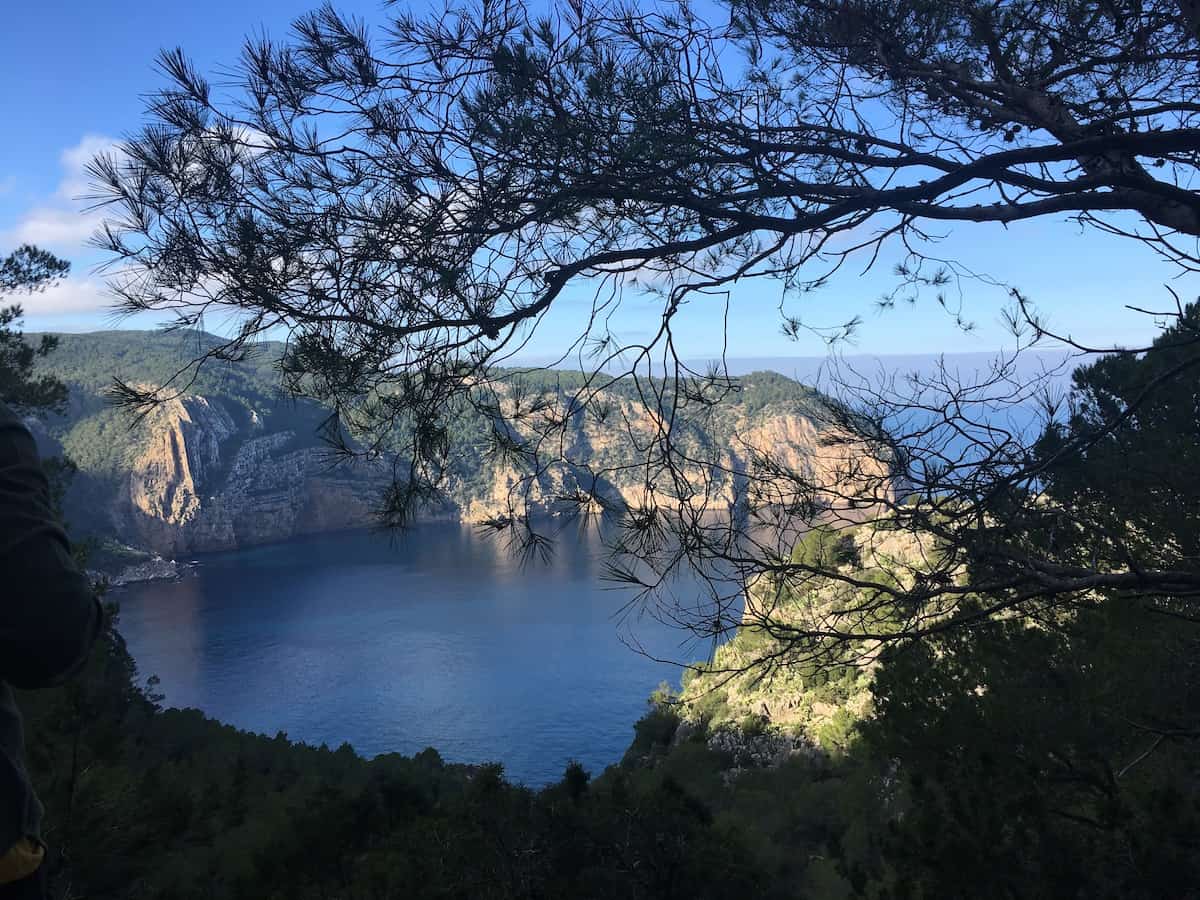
{"x": 232, "y": 461}
{"x": 1035, "y": 756}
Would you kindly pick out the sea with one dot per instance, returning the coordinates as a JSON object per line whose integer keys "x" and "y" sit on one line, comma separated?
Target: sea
{"x": 437, "y": 637}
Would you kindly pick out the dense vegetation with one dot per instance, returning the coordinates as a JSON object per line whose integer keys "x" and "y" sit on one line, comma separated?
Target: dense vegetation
{"x": 100, "y": 438}
{"x": 146, "y": 803}
{"x": 1051, "y": 757}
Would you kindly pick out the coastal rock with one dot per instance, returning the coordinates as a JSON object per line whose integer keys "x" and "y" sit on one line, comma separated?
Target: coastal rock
{"x": 232, "y": 462}
{"x": 207, "y": 481}
{"x": 208, "y": 476}
{"x": 765, "y": 749}
{"x": 153, "y": 569}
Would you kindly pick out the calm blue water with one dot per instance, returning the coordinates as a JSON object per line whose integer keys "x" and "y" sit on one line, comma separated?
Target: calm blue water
{"x": 441, "y": 639}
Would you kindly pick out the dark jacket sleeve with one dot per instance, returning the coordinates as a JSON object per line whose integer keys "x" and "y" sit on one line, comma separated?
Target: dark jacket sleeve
{"x": 49, "y": 616}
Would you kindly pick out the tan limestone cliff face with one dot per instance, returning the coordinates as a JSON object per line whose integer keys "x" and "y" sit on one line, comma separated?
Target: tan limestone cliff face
{"x": 205, "y": 482}
{"x": 783, "y": 451}
{"x": 212, "y": 477}
{"x": 838, "y": 466}
{"x": 184, "y": 444}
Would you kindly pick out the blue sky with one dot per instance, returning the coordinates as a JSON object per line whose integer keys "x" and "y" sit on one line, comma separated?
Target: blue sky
{"x": 72, "y": 78}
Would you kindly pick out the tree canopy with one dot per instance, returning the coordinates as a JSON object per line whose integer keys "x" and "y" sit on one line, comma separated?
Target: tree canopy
{"x": 406, "y": 206}
{"x": 26, "y": 270}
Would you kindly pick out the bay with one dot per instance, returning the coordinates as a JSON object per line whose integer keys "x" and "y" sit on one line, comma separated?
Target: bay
{"x": 440, "y": 638}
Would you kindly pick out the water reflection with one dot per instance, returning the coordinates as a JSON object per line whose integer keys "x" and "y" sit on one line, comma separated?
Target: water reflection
{"x": 439, "y": 638}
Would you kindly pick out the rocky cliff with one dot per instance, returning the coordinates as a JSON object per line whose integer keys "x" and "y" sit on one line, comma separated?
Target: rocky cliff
{"x": 205, "y": 481}
{"x": 781, "y": 445}
{"x": 207, "y": 477}
{"x": 762, "y": 698}
{"x": 231, "y": 463}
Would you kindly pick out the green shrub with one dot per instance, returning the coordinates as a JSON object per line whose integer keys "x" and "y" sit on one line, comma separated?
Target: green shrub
{"x": 653, "y": 730}
{"x": 753, "y": 724}
{"x": 836, "y": 735}
{"x": 824, "y": 547}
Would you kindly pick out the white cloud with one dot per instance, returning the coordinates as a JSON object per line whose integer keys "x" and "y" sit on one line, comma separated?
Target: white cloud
{"x": 75, "y": 161}
{"x": 61, "y": 222}
{"x": 74, "y": 295}
{"x": 56, "y": 229}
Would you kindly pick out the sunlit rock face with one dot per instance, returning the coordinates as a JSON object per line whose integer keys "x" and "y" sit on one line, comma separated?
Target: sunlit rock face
{"x": 232, "y": 462}
{"x": 207, "y": 475}
{"x": 208, "y": 478}
{"x": 778, "y": 448}
{"x": 182, "y": 454}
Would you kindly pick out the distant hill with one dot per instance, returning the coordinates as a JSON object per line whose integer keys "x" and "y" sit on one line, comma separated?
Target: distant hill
{"x": 234, "y": 462}
{"x": 815, "y": 370}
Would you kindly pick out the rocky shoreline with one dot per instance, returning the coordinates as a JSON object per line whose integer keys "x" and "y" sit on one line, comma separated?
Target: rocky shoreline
{"x": 154, "y": 569}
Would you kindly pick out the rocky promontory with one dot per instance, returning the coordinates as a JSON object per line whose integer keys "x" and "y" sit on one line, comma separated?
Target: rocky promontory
{"x": 230, "y": 462}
